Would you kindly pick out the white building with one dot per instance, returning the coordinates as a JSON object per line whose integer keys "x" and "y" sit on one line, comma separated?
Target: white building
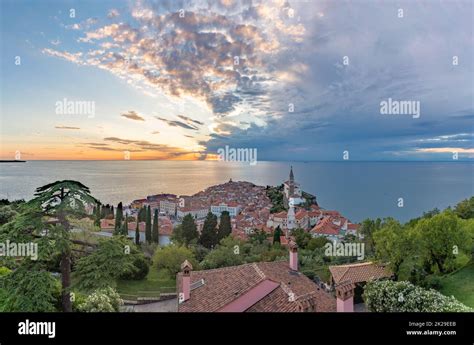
{"x": 198, "y": 212}
{"x": 277, "y": 219}
{"x": 232, "y": 207}
{"x": 168, "y": 207}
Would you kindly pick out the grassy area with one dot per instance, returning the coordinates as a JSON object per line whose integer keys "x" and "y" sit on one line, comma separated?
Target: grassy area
{"x": 460, "y": 284}
{"x": 154, "y": 283}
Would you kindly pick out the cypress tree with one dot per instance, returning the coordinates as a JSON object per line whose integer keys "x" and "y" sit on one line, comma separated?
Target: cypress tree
{"x": 97, "y": 214}
{"x": 148, "y": 225}
{"x": 124, "y": 229}
{"x": 189, "y": 229}
{"x": 118, "y": 219}
{"x": 208, "y": 236}
{"x": 137, "y": 233}
{"x": 276, "y": 235}
{"x": 142, "y": 214}
{"x": 155, "y": 232}
{"x": 225, "y": 227}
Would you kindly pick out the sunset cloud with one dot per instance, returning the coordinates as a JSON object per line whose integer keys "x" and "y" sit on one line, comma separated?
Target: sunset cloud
{"x": 222, "y": 55}
{"x": 190, "y": 120}
{"x": 66, "y": 127}
{"x": 145, "y": 149}
{"x": 298, "y": 80}
{"x": 176, "y": 123}
{"x": 132, "y": 115}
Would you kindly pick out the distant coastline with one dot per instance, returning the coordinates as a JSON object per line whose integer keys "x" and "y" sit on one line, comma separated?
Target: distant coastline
{"x": 358, "y": 190}
{"x": 12, "y": 161}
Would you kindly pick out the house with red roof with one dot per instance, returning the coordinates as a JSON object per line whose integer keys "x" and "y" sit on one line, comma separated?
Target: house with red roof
{"x": 345, "y": 279}
{"x": 275, "y": 286}
{"x": 326, "y": 228}
{"x": 277, "y": 219}
{"x": 314, "y": 216}
{"x": 352, "y": 229}
{"x": 302, "y": 219}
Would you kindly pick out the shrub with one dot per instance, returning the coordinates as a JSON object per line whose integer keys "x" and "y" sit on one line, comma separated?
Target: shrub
{"x": 402, "y": 296}
{"x": 4, "y": 271}
{"x": 78, "y": 301}
{"x": 141, "y": 266}
{"x": 102, "y": 300}
{"x": 317, "y": 242}
{"x": 200, "y": 252}
{"x": 432, "y": 282}
{"x": 309, "y": 273}
{"x": 171, "y": 257}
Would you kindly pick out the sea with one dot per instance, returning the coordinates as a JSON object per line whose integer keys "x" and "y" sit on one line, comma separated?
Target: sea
{"x": 358, "y": 190}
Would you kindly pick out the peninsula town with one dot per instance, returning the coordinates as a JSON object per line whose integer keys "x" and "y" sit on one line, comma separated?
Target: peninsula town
{"x": 233, "y": 247}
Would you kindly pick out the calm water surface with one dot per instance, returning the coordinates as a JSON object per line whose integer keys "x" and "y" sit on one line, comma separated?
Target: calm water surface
{"x": 357, "y": 189}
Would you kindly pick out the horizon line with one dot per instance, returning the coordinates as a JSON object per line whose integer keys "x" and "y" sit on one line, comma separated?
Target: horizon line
{"x": 204, "y": 160}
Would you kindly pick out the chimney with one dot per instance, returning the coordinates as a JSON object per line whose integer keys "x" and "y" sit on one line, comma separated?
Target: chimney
{"x": 293, "y": 255}
{"x": 186, "y": 267}
{"x": 345, "y": 297}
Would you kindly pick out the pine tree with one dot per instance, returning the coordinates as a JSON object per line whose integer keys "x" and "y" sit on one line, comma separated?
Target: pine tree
{"x": 225, "y": 227}
{"x": 137, "y": 233}
{"x": 155, "y": 232}
{"x": 189, "y": 229}
{"x": 276, "y": 235}
{"x": 208, "y": 236}
{"x": 148, "y": 225}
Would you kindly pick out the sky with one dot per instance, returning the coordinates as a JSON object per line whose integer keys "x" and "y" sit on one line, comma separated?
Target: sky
{"x": 179, "y": 80}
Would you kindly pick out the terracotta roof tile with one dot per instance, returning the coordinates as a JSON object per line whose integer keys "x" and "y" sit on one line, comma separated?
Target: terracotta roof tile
{"x": 361, "y": 272}
{"x": 224, "y": 285}
{"x": 326, "y": 227}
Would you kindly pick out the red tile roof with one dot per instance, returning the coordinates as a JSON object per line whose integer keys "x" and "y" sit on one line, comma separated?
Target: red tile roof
{"x": 351, "y": 226}
{"x": 331, "y": 213}
{"x": 281, "y": 214}
{"x": 301, "y": 214}
{"x": 361, "y": 272}
{"x": 326, "y": 227}
{"x": 107, "y": 223}
{"x": 252, "y": 296}
{"x": 224, "y": 286}
{"x": 133, "y": 225}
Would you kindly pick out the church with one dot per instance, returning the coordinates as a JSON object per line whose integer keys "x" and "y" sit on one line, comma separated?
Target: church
{"x": 292, "y": 191}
